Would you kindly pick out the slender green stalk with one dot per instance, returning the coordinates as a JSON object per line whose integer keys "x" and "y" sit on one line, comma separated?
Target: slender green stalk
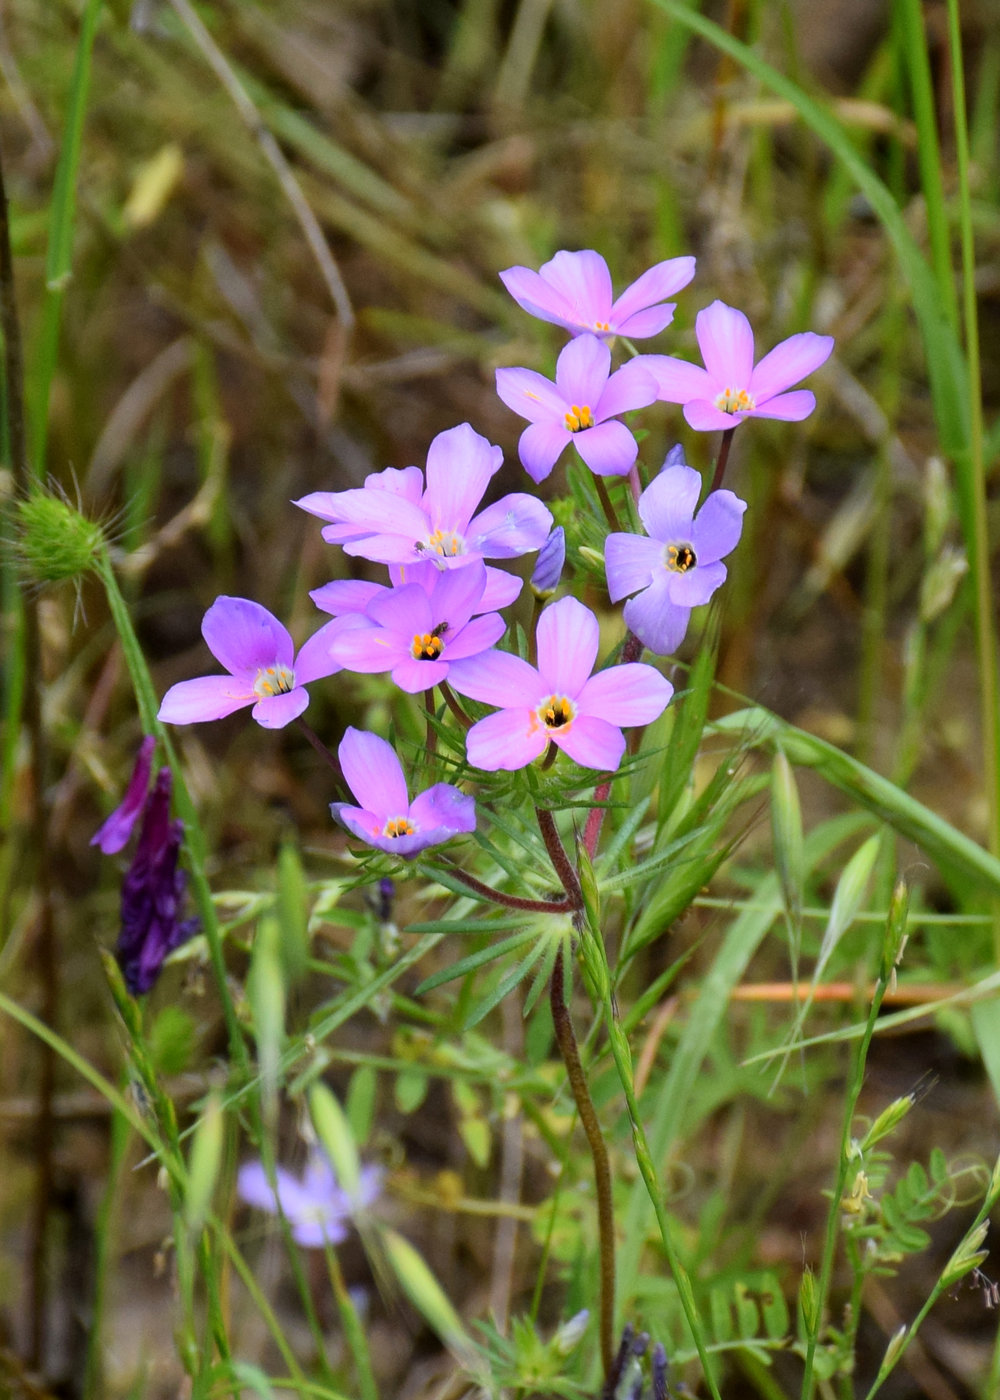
{"x": 980, "y": 560}
{"x": 353, "y": 1330}
{"x": 570, "y": 1051}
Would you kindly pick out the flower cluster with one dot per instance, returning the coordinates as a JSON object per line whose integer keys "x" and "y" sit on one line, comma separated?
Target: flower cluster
{"x": 436, "y": 622}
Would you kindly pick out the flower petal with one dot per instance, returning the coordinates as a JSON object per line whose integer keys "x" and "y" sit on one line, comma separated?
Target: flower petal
{"x": 696, "y": 587}
{"x": 537, "y": 296}
{"x": 609, "y": 449}
{"x": 630, "y": 562}
{"x": 703, "y": 416}
{"x": 373, "y": 772}
{"x": 314, "y": 659}
{"x": 678, "y": 381}
{"x": 345, "y": 595}
{"x": 658, "y": 623}
{"x": 444, "y": 811}
{"x": 207, "y": 697}
{"x": 792, "y": 407}
{"x": 667, "y": 505}
{"x": 567, "y": 637}
{"x": 275, "y": 711}
{"x": 592, "y": 742}
{"x": 244, "y": 636}
{"x": 415, "y": 676}
{"x": 517, "y": 524}
{"x": 655, "y": 285}
{"x": 460, "y": 466}
{"x": 789, "y": 362}
{"x": 510, "y": 739}
{"x": 646, "y": 323}
{"x": 583, "y": 281}
{"x": 530, "y": 394}
{"x": 540, "y": 446}
{"x": 582, "y": 371}
{"x": 501, "y": 589}
{"x": 632, "y": 386}
{"x": 725, "y": 338}
{"x": 497, "y": 678}
{"x": 717, "y": 526}
{"x": 626, "y": 695}
{"x": 475, "y": 637}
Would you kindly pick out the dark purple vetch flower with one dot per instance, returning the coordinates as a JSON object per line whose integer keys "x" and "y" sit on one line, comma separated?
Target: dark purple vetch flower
{"x": 677, "y": 568}
{"x": 560, "y": 702}
{"x": 574, "y": 290}
{"x": 579, "y": 408}
{"x": 264, "y": 671}
{"x": 417, "y": 633}
{"x": 392, "y": 519}
{"x": 730, "y": 387}
{"x": 114, "y": 833}
{"x": 153, "y": 894}
{"x": 386, "y": 818}
{"x": 315, "y": 1205}
{"x": 549, "y": 565}
{"x": 353, "y": 595}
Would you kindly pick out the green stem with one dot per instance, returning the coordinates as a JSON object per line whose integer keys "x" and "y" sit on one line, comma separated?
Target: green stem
{"x": 605, "y": 500}
{"x": 570, "y": 1051}
{"x": 353, "y": 1330}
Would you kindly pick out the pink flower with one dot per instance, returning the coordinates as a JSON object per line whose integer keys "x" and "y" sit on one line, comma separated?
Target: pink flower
{"x": 730, "y": 387}
{"x": 315, "y": 1205}
{"x": 392, "y": 519}
{"x": 560, "y": 702}
{"x": 386, "y": 818}
{"x": 574, "y": 291}
{"x": 580, "y": 408}
{"x": 264, "y": 671}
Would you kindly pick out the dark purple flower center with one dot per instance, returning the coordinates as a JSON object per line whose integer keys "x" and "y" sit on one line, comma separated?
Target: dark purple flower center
{"x": 578, "y": 418}
{"x": 680, "y": 558}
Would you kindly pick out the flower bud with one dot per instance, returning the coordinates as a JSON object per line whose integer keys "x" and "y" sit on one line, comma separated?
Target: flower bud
{"x": 674, "y": 458}
{"x": 549, "y": 565}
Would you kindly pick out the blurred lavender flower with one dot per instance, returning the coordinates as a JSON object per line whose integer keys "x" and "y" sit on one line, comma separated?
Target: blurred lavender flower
{"x": 315, "y": 1205}
{"x": 153, "y": 887}
{"x": 549, "y": 566}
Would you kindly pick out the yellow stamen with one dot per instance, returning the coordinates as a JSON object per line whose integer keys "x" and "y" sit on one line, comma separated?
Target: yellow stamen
{"x": 556, "y": 712}
{"x": 273, "y": 680}
{"x": 680, "y": 558}
{"x": 398, "y": 826}
{"x": 578, "y": 418}
{"x": 426, "y": 646}
{"x": 735, "y": 401}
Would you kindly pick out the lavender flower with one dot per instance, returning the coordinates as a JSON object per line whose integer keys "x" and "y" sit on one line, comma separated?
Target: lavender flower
{"x": 386, "y": 818}
{"x": 392, "y": 519}
{"x": 574, "y": 291}
{"x": 417, "y": 634}
{"x": 114, "y": 833}
{"x": 678, "y": 567}
{"x": 315, "y": 1206}
{"x": 560, "y": 702}
{"x": 348, "y": 595}
{"x": 264, "y": 671}
{"x": 730, "y": 388}
{"x": 580, "y": 408}
{"x": 153, "y": 894}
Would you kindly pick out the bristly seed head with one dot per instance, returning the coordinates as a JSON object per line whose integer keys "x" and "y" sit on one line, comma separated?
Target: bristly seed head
{"x": 55, "y": 541}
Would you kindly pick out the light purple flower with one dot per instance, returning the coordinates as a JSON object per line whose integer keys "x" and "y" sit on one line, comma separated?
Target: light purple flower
{"x": 394, "y": 520}
{"x": 386, "y": 818}
{"x": 417, "y": 633}
{"x": 114, "y": 833}
{"x": 677, "y": 567}
{"x": 560, "y": 702}
{"x": 316, "y": 1207}
{"x": 264, "y": 671}
{"x": 580, "y": 408}
{"x": 343, "y": 596}
{"x": 730, "y": 387}
{"x": 574, "y": 291}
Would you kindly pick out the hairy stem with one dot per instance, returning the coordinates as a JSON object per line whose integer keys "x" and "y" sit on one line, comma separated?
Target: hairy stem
{"x": 568, "y": 1048}
{"x": 510, "y": 901}
{"x": 560, "y": 860}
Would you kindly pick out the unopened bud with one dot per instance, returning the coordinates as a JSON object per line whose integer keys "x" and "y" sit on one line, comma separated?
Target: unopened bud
{"x": 549, "y": 565}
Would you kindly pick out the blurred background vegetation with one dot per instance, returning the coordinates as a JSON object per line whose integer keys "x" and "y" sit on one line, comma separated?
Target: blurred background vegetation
{"x": 289, "y": 220}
